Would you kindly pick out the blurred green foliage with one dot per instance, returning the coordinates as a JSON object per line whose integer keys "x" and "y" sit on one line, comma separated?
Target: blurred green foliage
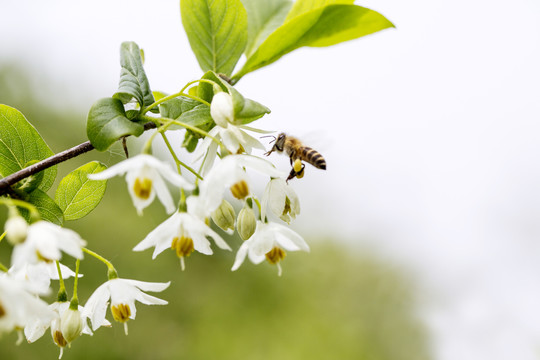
{"x": 329, "y": 304}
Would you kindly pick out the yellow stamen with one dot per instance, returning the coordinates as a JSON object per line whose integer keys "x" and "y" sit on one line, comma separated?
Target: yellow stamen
{"x": 240, "y": 190}
{"x": 287, "y": 207}
{"x": 241, "y": 150}
{"x": 142, "y": 188}
{"x": 275, "y": 255}
{"x": 58, "y": 338}
{"x": 183, "y": 246}
{"x": 121, "y": 312}
{"x": 42, "y": 258}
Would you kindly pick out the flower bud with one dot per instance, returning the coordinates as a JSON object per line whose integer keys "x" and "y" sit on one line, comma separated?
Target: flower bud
{"x": 71, "y": 324}
{"x": 224, "y": 216}
{"x": 16, "y": 229}
{"x": 221, "y": 109}
{"x": 246, "y": 223}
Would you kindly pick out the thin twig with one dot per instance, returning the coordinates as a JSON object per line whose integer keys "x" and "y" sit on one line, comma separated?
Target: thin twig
{"x": 12, "y": 179}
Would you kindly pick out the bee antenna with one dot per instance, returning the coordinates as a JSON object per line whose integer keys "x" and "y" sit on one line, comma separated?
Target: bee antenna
{"x": 267, "y": 136}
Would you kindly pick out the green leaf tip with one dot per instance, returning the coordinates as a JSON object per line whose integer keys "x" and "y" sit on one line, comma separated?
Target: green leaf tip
{"x": 314, "y": 23}
{"x": 133, "y": 80}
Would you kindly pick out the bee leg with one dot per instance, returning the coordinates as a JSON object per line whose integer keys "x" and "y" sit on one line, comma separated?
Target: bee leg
{"x": 292, "y": 175}
{"x": 269, "y": 152}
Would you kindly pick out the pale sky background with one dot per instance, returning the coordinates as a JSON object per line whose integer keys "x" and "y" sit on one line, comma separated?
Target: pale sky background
{"x": 430, "y": 132}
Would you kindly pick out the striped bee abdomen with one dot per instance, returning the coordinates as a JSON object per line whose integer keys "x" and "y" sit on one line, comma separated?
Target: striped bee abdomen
{"x": 313, "y": 157}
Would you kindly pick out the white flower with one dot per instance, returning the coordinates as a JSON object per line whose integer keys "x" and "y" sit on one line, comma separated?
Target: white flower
{"x": 230, "y": 173}
{"x": 269, "y": 241}
{"x": 38, "y": 276}
{"x": 281, "y": 199}
{"x": 45, "y": 242}
{"x": 36, "y": 328}
{"x": 66, "y": 325}
{"x": 144, "y": 177}
{"x": 18, "y": 307}
{"x": 234, "y": 138}
{"x": 123, "y": 293}
{"x": 184, "y": 233}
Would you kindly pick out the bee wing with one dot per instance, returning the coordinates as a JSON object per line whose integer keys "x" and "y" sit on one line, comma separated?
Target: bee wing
{"x": 317, "y": 139}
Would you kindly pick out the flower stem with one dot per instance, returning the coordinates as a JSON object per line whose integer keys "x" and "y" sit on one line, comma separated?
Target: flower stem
{"x": 111, "y": 270}
{"x": 177, "y": 160}
{"x": 74, "y": 304}
{"x": 62, "y": 294}
{"x": 182, "y": 207}
{"x": 34, "y": 214}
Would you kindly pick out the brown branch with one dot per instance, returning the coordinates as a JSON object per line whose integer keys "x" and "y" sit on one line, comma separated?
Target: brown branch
{"x": 12, "y": 179}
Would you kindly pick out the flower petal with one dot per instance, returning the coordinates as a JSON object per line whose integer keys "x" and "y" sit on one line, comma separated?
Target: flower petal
{"x": 240, "y": 255}
{"x": 168, "y": 173}
{"x": 250, "y": 141}
{"x": 120, "y": 168}
{"x": 161, "y": 236}
{"x": 287, "y": 238}
{"x": 261, "y": 165}
{"x": 205, "y": 230}
{"x": 163, "y": 194}
{"x": 148, "y": 286}
{"x": 96, "y": 306}
{"x": 230, "y": 141}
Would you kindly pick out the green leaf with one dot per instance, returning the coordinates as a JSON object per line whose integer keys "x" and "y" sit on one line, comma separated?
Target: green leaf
{"x": 190, "y": 141}
{"x": 205, "y": 90}
{"x": 46, "y": 207}
{"x": 198, "y": 116}
{"x": 133, "y": 80}
{"x": 303, "y": 6}
{"x": 263, "y": 18}
{"x": 107, "y": 122}
{"x": 217, "y": 32}
{"x": 246, "y": 110}
{"x": 76, "y": 195}
{"x": 320, "y": 27}
{"x": 173, "y": 108}
{"x": 20, "y": 145}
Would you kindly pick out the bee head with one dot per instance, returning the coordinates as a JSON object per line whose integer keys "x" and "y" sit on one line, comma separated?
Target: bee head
{"x": 280, "y": 142}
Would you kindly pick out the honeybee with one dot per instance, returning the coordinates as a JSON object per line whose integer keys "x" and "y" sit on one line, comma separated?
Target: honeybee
{"x": 297, "y": 152}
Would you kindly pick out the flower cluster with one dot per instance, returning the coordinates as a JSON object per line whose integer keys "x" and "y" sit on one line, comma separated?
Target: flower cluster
{"x": 38, "y": 250}
{"x": 189, "y": 228}
{"x": 223, "y": 184}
